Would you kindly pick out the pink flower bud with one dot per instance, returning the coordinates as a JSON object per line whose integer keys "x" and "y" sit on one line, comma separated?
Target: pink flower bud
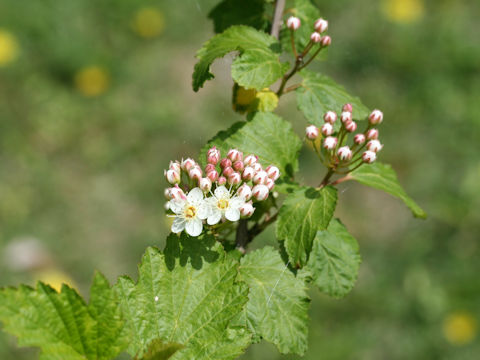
{"x": 260, "y": 192}
{"x": 234, "y": 178}
{"x": 228, "y": 171}
{"x": 248, "y": 173}
{"x": 187, "y": 164}
{"x": 327, "y": 129}
{"x": 250, "y": 160}
{"x": 247, "y": 210}
{"x": 210, "y": 167}
{"x": 330, "y": 117}
{"x": 195, "y": 173}
{"x": 316, "y": 37}
{"x": 235, "y": 155}
{"x": 273, "y": 172}
{"x": 205, "y": 184}
{"x": 321, "y": 25}
{"x": 257, "y": 167}
{"x": 225, "y": 163}
{"x": 293, "y": 23}
{"x": 270, "y": 184}
{"x": 311, "y": 132}
{"x": 350, "y": 126}
{"x": 177, "y": 193}
{"x": 172, "y": 176}
{"x": 372, "y": 134}
{"x": 213, "y": 175}
{"x": 245, "y": 192}
{"x": 213, "y": 156}
{"x": 222, "y": 180}
{"x": 260, "y": 177}
{"x": 347, "y": 107}
{"x": 330, "y": 143}
{"x": 344, "y": 153}
{"x": 238, "y": 165}
{"x": 359, "y": 139}
{"x": 374, "y": 145}
{"x": 326, "y": 41}
{"x": 369, "y": 157}
{"x": 376, "y": 117}
{"x": 175, "y": 165}
{"x": 346, "y": 116}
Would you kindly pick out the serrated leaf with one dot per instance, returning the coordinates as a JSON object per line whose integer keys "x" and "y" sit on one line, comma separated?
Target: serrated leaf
{"x": 303, "y": 213}
{"x": 257, "y": 66}
{"x": 267, "y": 135}
{"x": 383, "y": 177}
{"x": 189, "y": 304}
{"x": 319, "y": 94}
{"x": 234, "y": 12}
{"x": 277, "y": 309}
{"x": 334, "y": 260}
{"x": 62, "y": 324}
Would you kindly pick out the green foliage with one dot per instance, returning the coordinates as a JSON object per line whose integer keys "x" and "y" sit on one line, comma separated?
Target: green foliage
{"x": 334, "y": 260}
{"x": 158, "y": 350}
{"x": 234, "y": 12}
{"x": 61, "y": 324}
{"x": 266, "y": 135}
{"x": 186, "y": 296}
{"x": 258, "y": 65}
{"x": 319, "y": 94}
{"x": 304, "y": 212}
{"x": 383, "y": 177}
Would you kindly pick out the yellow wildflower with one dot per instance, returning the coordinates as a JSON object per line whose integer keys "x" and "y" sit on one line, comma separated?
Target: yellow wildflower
{"x": 92, "y": 81}
{"x": 8, "y": 47}
{"x": 403, "y": 11}
{"x": 459, "y": 328}
{"x": 148, "y": 22}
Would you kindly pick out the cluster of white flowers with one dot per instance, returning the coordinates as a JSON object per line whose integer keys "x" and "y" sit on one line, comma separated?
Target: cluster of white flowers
{"x": 335, "y": 150}
{"x": 228, "y": 190}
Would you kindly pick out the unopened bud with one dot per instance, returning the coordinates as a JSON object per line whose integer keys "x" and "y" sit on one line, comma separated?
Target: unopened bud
{"x": 177, "y": 193}
{"x": 213, "y": 156}
{"x": 257, "y": 167}
{"x": 195, "y": 173}
{"x": 369, "y": 157}
{"x": 210, "y": 167}
{"x": 344, "y": 153}
{"x": 205, "y": 184}
{"x": 234, "y": 155}
{"x": 326, "y": 41}
{"x": 222, "y": 180}
{"x": 250, "y": 160}
{"x": 376, "y": 117}
{"x": 168, "y": 194}
{"x": 234, "y": 178}
{"x": 330, "y": 117}
{"x": 359, "y": 139}
{"x": 347, "y": 107}
{"x": 321, "y": 25}
{"x": 316, "y": 37}
{"x": 260, "y": 192}
{"x": 346, "y": 116}
{"x": 293, "y": 23}
{"x": 260, "y": 177}
{"x": 248, "y": 173}
{"x": 311, "y": 132}
{"x": 238, "y": 165}
{"x": 273, "y": 172}
{"x": 270, "y": 184}
{"x": 351, "y": 126}
{"x": 175, "y": 165}
{"x": 228, "y": 171}
{"x": 245, "y": 192}
{"x": 372, "y": 134}
{"x": 247, "y": 210}
{"x": 187, "y": 164}
{"x": 330, "y": 143}
{"x": 327, "y": 129}
{"x": 374, "y": 145}
{"x": 225, "y": 163}
{"x": 212, "y": 175}
{"x": 172, "y": 176}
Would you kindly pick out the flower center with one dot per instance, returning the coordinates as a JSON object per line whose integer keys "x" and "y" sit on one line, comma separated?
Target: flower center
{"x": 222, "y": 204}
{"x": 190, "y": 212}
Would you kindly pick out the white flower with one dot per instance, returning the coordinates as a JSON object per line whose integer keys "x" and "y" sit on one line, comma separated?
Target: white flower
{"x": 224, "y": 205}
{"x": 189, "y": 213}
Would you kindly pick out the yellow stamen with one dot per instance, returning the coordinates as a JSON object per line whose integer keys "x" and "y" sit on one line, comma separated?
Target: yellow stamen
{"x": 190, "y": 212}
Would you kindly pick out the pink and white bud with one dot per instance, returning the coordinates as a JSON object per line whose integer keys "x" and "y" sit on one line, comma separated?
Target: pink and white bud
{"x": 177, "y": 193}
{"x": 372, "y": 134}
{"x": 228, "y": 171}
{"x": 234, "y": 178}
{"x": 293, "y": 23}
{"x": 359, "y": 139}
{"x": 376, "y": 117}
{"x": 195, "y": 173}
{"x": 260, "y": 177}
{"x": 172, "y": 176}
{"x": 213, "y": 175}
{"x": 248, "y": 173}
{"x": 273, "y": 172}
{"x": 225, "y": 163}
{"x": 351, "y": 126}
{"x": 330, "y": 117}
{"x": 187, "y": 164}
{"x": 247, "y": 210}
{"x": 210, "y": 167}
{"x": 311, "y": 132}
{"x": 330, "y": 143}
{"x": 374, "y": 145}
{"x": 222, "y": 180}
{"x": 213, "y": 156}
{"x": 316, "y": 37}
{"x": 346, "y": 116}
{"x": 369, "y": 157}
{"x": 235, "y": 155}
{"x": 205, "y": 184}
{"x": 239, "y": 165}
{"x": 250, "y": 160}
{"x": 321, "y": 25}
{"x": 327, "y": 129}
{"x": 347, "y": 107}
{"x": 326, "y": 41}
{"x": 344, "y": 153}
{"x": 260, "y": 192}
{"x": 257, "y": 167}
{"x": 270, "y": 184}
{"x": 245, "y": 192}
{"x": 175, "y": 165}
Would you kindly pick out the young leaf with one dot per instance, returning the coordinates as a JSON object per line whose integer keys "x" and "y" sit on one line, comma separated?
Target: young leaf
{"x": 186, "y": 296}
{"x": 234, "y": 12}
{"x": 303, "y": 213}
{"x": 277, "y": 309}
{"x": 61, "y": 324}
{"x": 383, "y": 177}
{"x": 257, "y": 66}
{"x": 319, "y": 94}
{"x": 334, "y": 260}
{"x": 266, "y": 135}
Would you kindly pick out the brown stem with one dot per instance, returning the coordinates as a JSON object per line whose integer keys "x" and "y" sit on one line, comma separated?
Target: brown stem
{"x": 341, "y": 180}
{"x": 292, "y": 88}
{"x": 326, "y": 178}
{"x": 277, "y": 18}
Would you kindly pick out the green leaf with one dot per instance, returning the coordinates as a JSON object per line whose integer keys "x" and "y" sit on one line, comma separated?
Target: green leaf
{"x": 257, "y": 66}
{"x": 319, "y": 94}
{"x": 383, "y": 177}
{"x": 334, "y": 260}
{"x": 277, "y": 309}
{"x": 266, "y": 135}
{"x": 234, "y": 12}
{"x": 158, "y": 350}
{"x": 304, "y": 212}
{"x": 62, "y": 324}
{"x": 186, "y": 296}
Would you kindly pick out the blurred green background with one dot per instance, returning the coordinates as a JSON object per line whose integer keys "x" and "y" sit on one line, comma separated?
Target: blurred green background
{"x": 95, "y": 99}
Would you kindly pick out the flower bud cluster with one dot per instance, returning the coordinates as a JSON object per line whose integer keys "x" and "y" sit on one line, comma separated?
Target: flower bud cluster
{"x": 320, "y": 26}
{"x": 226, "y": 189}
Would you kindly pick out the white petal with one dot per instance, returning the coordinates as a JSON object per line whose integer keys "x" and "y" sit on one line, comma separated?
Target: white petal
{"x": 214, "y": 217}
{"x": 203, "y": 210}
{"x": 236, "y": 202}
{"x": 194, "y": 227}
{"x": 222, "y": 192}
{"x": 195, "y": 195}
{"x": 178, "y": 225}
{"x": 177, "y": 206}
{"x": 232, "y": 214}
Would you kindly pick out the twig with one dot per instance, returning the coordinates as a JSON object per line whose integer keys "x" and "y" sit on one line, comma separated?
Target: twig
{"x": 277, "y": 18}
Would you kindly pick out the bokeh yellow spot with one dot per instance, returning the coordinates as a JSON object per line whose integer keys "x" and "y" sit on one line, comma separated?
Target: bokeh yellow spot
{"x": 55, "y": 278}
{"x": 92, "y": 81}
{"x": 403, "y": 11}
{"x": 8, "y": 47}
{"x": 459, "y": 328}
{"x": 148, "y": 22}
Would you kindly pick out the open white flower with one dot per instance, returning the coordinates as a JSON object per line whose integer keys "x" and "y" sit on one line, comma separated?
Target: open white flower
{"x": 224, "y": 205}
{"x": 190, "y": 213}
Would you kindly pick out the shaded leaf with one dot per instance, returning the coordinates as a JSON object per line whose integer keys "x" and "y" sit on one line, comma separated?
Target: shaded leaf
{"x": 234, "y": 12}
{"x": 158, "y": 350}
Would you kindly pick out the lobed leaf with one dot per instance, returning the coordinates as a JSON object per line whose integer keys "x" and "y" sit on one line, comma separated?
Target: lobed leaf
{"x": 234, "y": 12}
